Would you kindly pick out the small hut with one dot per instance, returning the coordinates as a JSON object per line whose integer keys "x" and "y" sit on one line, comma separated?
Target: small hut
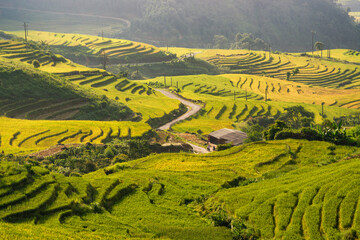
{"x": 225, "y": 135}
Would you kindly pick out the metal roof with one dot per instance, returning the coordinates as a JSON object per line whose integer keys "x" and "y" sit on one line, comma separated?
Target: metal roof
{"x": 230, "y": 136}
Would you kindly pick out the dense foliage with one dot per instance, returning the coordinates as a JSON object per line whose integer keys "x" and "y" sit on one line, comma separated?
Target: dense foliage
{"x": 89, "y": 158}
{"x": 286, "y": 25}
{"x": 327, "y": 131}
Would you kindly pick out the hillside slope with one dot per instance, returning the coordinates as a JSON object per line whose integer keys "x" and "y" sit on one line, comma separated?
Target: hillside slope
{"x": 185, "y": 196}
{"x": 114, "y": 97}
{"x": 27, "y": 93}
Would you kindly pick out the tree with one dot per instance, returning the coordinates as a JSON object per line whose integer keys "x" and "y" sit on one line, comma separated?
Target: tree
{"x": 297, "y": 117}
{"x": 288, "y": 75}
{"x": 221, "y": 42}
{"x": 254, "y": 132}
{"x": 296, "y": 71}
{"x": 332, "y": 132}
{"x": 278, "y": 126}
{"x": 36, "y": 63}
{"x": 238, "y": 37}
{"x": 105, "y": 59}
{"x": 247, "y": 40}
{"x": 320, "y": 46}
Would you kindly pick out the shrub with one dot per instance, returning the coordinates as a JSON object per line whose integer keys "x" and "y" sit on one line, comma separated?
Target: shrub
{"x": 36, "y": 63}
{"x": 310, "y": 134}
{"x": 223, "y": 147}
{"x": 120, "y": 158}
{"x": 109, "y": 153}
{"x": 220, "y": 219}
{"x": 274, "y": 129}
{"x": 287, "y": 133}
{"x": 75, "y": 174}
{"x": 241, "y": 232}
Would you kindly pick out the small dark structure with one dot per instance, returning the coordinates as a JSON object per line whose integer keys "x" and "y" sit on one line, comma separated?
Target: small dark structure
{"x": 224, "y": 136}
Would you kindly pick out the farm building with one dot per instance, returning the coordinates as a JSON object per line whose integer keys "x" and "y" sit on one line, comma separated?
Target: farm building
{"x": 224, "y": 136}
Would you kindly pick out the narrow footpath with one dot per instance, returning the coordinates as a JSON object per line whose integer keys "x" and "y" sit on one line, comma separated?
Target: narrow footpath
{"x": 192, "y": 110}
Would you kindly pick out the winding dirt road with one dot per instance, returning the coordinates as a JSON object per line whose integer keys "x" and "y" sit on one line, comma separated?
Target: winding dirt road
{"x": 192, "y": 109}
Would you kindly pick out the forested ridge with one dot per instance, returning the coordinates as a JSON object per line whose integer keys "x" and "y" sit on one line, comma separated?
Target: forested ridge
{"x": 285, "y": 24}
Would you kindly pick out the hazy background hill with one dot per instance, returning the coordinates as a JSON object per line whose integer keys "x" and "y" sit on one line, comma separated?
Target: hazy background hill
{"x": 285, "y": 24}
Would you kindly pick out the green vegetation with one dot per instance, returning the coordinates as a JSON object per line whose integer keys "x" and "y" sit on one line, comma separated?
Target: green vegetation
{"x": 112, "y": 180}
{"x": 253, "y": 187}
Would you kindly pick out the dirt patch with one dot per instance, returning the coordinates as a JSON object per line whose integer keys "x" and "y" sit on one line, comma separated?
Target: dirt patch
{"x": 192, "y": 138}
{"x": 166, "y": 138}
{"x": 52, "y": 151}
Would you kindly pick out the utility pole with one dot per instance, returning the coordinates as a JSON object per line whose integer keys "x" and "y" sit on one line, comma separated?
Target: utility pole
{"x": 26, "y": 33}
{"x": 269, "y": 51}
{"x": 312, "y": 41}
{"x": 104, "y": 60}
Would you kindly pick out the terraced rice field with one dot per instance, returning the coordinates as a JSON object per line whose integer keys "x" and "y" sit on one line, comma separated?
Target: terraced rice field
{"x": 174, "y": 195}
{"x": 25, "y": 136}
{"x": 231, "y": 99}
{"x": 42, "y": 109}
{"x": 287, "y": 91}
{"x": 18, "y": 51}
{"x": 346, "y": 55}
{"x": 115, "y": 49}
{"x": 312, "y": 71}
{"x": 140, "y": 98}
{"x": 310, "y": 203}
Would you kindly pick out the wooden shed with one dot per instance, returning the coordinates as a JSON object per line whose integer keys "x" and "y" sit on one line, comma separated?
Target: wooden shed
{"x": 225, "y": 135}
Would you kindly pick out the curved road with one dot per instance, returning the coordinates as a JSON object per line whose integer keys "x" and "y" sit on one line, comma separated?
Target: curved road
{"x": 192, "y": 109}
{"x": 127, "y": 22}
